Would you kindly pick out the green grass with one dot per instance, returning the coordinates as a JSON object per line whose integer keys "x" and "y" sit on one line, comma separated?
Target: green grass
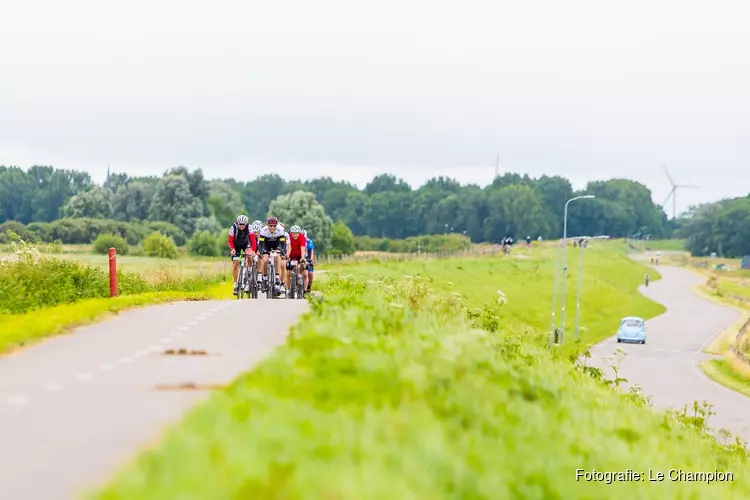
{"x": 666, "y": 245}
{"x": 721, "y": 372}
{"x": 610, "y": 281}
{"x": 18, "y": 330}
{"x": 389, "y": 389}
{"x": 181, "y": 267}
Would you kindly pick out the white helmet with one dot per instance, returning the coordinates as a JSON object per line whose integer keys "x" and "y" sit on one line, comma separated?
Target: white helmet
{"x": 304, "y": 233}
{"x": 295, "y": 229}
{"x": 257, "y": 226}
{"x": 242, "y": 219}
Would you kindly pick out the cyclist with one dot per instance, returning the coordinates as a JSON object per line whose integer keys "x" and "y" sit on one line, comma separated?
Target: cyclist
{"x": 240, "y": 237}
{"x": 272, "y": 237}
{"x": 296, "y": 250}
{"x": 309, "y": 256}
{"x": 645, "y": 280}
{"x": 528, "y": 242}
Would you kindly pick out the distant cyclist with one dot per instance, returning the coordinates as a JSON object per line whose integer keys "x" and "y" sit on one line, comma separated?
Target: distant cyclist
{"x": 241, "y": 238}
{"x": 645, "y": 280}
{"x": 528, "y": 242}
{"x": 310, "y": 271}
{"x": 296, "y": 250}
{"x": 272, "y": 237}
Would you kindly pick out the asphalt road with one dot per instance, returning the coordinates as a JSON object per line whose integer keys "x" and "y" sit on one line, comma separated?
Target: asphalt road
{"x": 667, "y": 366}
{"x": 75, "y": 408}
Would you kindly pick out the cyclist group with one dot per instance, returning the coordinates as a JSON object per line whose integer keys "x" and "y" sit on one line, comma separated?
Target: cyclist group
{"x": 260, "y": 240}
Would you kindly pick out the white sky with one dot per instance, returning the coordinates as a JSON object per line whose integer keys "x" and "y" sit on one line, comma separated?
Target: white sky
{"x": 587, "y": 89}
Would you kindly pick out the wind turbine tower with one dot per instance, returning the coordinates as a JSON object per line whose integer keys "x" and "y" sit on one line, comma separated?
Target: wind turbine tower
{"x": 673, "y": 192}
{"x": 497, "y": 166}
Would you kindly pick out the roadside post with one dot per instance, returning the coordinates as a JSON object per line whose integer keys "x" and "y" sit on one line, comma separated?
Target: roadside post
{"x": 113, "y": 272}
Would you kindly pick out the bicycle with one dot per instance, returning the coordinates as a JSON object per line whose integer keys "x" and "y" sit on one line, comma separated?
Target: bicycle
{"x": 271, "y": 273}
{"x": 298, "y": 280}
{"x": 254, "y": 285}
{"x": 242, "y": 276}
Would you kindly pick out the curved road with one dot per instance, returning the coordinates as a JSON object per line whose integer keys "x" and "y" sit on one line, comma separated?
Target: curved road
{"x": 76, "y": 407}
{"x": 667, "y": 366}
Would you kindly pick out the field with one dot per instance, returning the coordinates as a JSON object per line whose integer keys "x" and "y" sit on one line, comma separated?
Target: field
{"x": 418, "y": 380}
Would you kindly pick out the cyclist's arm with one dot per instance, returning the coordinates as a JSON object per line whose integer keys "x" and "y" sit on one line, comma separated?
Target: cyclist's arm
{"x": 262, "y": 243}
{"x": 282, "y": 246}
{"x": 253, "y": 243}
{"x": 230, "y": 238}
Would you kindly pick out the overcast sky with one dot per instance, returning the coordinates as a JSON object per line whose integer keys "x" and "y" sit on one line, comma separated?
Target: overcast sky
{"x": 587, "y": 89}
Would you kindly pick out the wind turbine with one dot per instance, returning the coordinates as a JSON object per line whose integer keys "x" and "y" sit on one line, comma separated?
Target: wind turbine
{"x": 673, "y": 192}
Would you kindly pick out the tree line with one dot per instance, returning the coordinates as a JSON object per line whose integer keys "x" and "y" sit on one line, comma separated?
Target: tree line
{"x": 722, "y": 227}
{"x": 512, "y": 205}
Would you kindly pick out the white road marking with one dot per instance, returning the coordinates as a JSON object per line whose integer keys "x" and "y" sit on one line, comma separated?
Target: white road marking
{"x": 185, "y": 328}
{"x": 166, "y": 340}
{"x": 106, "y": 367}
{"x": 125, "y": 359}
{"x": 192, "y": 323}
{"x": 175, "y": 334}
{"x": 140, "y": 354}
{"x": 155, "y": 348}
{"x": 84, "y": 376}
{"x": 213, "y": 310}
{"x": 54, "y": 386}
{"x": 18, "y": 400}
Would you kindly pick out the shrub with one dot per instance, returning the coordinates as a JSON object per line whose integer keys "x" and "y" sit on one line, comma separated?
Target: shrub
{"x": 168, "y": 229}
{"x": 104, "y": 242}
{"x": 160, "y": 245}
{"x": 203, "y": 243}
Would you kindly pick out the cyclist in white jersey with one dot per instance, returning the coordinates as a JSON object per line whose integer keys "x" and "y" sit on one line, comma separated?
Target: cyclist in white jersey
{"x": 272, "y": 237}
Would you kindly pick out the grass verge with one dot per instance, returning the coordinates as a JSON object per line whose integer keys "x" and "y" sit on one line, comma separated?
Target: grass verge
{"x": 720, "y": 371}
{"x": 399, "y": 387}
{"x": 18, "y": 330}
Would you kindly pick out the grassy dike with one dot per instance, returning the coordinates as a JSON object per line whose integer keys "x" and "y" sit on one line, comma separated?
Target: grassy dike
{"x": 400, "y": 387}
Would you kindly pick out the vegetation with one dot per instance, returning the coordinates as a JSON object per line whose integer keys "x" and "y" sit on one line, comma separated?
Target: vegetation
{"x": 438, "y": 243}
{"x": 104, "y": 242}
{"x": 387, "y": 207}
{"x": 722, "y": 227}
{"x": 413, "y": 387}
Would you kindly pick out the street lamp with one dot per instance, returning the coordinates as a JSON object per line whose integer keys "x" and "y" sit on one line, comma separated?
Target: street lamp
{"x": 564, "y": 249}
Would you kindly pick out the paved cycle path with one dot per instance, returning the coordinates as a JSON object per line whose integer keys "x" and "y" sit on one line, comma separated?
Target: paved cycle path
{"x": 74, "y": 408}
{"x": 667, "y": 366}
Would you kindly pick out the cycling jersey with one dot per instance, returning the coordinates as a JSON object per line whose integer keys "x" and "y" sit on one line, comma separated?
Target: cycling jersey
{"x": 272, "y": 241}
{"x": 297, "y": 247}
{"x": 241, "y": 239}
{"x": 309, "y": 249}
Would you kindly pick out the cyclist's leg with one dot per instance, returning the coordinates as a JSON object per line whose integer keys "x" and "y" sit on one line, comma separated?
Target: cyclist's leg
{"x": 288, "y": 274}
{"x": 310, "y": 277}
{"x": 263, "y": 265}
{"x": 235, "y": 270}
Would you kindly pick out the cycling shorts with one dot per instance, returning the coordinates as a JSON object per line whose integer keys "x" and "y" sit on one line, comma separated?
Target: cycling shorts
{"x": 271, "y": 245}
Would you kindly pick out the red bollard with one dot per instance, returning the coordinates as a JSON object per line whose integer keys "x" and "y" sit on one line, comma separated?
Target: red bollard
{"x": 112, "y": 272}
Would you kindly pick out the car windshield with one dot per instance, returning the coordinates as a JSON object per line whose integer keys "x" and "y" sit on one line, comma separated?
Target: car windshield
{"x": 632, "y": 322}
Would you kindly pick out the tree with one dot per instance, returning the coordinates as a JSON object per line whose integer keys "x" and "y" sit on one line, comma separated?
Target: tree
{"x": 173, "y": 202}
{"x": 224, "y": 202}
{"x": 132, "y": 201}
{"x": 301, "y": 208}
{"x": 95, "y": 203}
{"x": 342, "y": 240}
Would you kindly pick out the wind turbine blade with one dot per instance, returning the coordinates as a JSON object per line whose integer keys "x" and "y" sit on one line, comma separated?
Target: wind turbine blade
{"x": 668, "y": 176}
{"x": 671, "y": 193}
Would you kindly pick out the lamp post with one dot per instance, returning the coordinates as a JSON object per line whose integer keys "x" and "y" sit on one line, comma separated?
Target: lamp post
{"x": 580, "y": 283}
{"x": 565, "y": 262}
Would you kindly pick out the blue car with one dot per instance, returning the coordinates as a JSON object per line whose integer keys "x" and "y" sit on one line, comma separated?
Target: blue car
{"x": 632, "y": 329}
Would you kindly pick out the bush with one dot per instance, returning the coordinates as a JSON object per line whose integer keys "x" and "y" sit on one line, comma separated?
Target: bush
{"x": 12, "y": 226}
{"x": 342, "y": 240}
{"x": 29, "y": 284}
{"x": 160, "y": 245}
{"x": 168, "y": 229}
{"x": 104, "y": 242}
{"x": 203, "y": 243}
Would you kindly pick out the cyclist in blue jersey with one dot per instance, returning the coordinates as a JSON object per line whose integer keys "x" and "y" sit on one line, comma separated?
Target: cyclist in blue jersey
{"x": 309, "y": 256}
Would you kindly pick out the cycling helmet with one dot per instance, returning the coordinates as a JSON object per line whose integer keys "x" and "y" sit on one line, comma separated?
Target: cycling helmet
{"x": 304, "y": 233}
{"x": 295, "y": 229}
{"x": 272, "y": 221}
{"x": 242, "y": 219}
{"x": 257, "y": 225}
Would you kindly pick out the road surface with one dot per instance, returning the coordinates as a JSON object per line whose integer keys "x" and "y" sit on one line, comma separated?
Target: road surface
{"x": 75, "y": 408}
{"x": 667, "y": 366}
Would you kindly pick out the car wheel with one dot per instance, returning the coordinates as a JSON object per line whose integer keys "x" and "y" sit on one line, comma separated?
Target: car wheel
{"x": 643, "y": 341}
{"x": 618, "y": 341}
